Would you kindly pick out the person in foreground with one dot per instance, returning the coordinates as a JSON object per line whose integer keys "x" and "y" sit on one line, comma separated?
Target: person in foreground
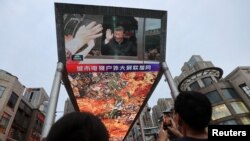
{"x": 192, "y": 114}
{"x": 78, "y": 126}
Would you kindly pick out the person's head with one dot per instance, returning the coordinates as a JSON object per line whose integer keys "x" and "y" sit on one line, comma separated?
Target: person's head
{"x": 119, "y": 34}
{"x": 194, "y": 109}
{"x": 78, "y": 126}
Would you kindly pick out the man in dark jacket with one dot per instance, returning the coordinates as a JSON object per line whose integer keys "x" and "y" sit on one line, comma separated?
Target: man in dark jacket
{"x": 116, "y": 44}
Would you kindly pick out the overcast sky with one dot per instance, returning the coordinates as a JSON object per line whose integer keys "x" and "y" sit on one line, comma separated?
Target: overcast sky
{"x": 218, "y": 30}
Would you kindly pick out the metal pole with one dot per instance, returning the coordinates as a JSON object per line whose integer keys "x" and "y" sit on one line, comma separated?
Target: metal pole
{"x": 50, "y": 116}
{"x": 170, "y": 80}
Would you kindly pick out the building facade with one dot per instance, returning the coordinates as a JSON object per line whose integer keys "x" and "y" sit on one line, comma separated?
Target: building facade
{"x": 156, "y": 114}
{"x": 21, "y": 122}
{"x": 149, "y": 121}
{"x": 34, "y": 132}
{"x": 37, "y": 97}
{"x": 28, "y": 123}
{"x": 11, "y": 91}
{"x": 22, "y": 110}
{"x": 165, "y": 103}
{"x": 146, "y": 117}
{"x": 68, "y": 107}
{"x": 229, "y": 96}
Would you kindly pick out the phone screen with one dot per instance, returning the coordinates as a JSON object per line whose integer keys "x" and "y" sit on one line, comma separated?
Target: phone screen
{"x": 166, "y": 121}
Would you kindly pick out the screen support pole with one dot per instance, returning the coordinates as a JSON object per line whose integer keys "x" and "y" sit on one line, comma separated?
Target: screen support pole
{"x": 170, "y": 80}
{"x": 50, "y": 116}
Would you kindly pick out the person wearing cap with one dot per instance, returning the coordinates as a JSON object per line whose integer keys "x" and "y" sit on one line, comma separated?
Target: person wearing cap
{"x": 192, "y": 114}
{"x": 116, "y": 44}
{"x": 169, "y": 124}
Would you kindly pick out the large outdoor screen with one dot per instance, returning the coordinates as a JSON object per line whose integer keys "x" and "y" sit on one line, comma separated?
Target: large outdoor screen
{"x": 112, "y": 58}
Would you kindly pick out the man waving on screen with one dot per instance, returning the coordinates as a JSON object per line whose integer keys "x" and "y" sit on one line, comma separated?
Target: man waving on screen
{"x": 116, "y": 44}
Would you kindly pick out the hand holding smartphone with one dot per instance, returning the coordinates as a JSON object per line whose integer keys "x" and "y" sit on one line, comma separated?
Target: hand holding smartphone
{"x": 167, "y": 122}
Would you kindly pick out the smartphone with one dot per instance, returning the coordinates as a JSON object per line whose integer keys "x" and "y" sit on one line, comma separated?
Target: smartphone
{"x": 166, "y": 122}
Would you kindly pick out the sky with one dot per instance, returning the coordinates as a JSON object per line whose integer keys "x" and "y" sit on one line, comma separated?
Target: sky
{"x": 218, "y": 30}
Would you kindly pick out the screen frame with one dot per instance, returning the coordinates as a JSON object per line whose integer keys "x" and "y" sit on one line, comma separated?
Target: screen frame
{"x": 62, "y": 8}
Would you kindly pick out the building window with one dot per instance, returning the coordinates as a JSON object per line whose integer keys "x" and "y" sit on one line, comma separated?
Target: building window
{"x": 228, "y": 122}
{"x": 220, "y": 111}
{"x": 207, "y": 81}
{"x": 214, "y": 97}
{"x": 239, "y": 107}
{"x": 245, "y": 120}
{"x": 31, "y": 95}
{"x": 195, "y": 86}
{"x": 15, "y": 134}
{"x": 229, "y": 94}
{"x": 194, "y": 60}
{"x": 245, "y": 88}
{"x": 4, "y": 121}
{"x": 1, "y": 90}
{"x": 12, "y": 101}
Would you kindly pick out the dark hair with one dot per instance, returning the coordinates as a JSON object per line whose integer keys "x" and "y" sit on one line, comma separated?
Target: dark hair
{"x": 119, "y": 28}
{"x": 78, "y": 126}
{"x": 194, "y": 109}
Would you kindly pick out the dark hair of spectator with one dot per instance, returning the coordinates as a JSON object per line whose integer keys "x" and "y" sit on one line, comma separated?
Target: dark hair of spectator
{"x": 78, "y": 126}
{"x": 194, "y": 108}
